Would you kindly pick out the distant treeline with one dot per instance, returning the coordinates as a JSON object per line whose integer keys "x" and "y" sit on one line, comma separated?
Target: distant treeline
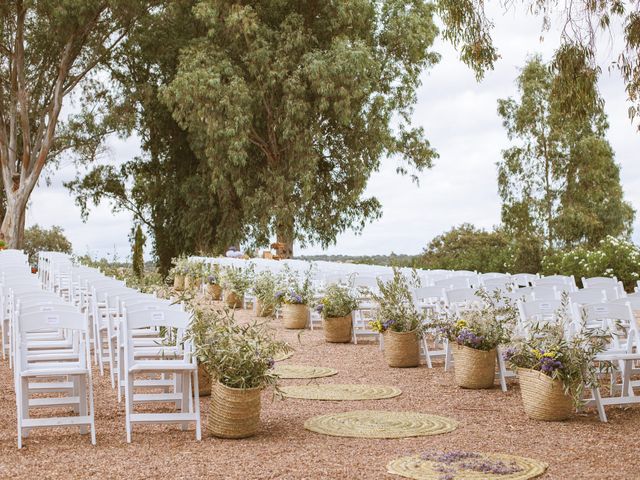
{"x": 393, "y": 259}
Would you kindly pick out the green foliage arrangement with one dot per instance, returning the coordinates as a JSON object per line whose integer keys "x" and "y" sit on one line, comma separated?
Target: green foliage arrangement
{"x": 396, "y": 309}
{"x": 37, "y": 239}
{"x": 237, "y": 279}
{"x": 265, "y": 286}
{"x": 485, "y": 327}
{"x": 612, "y": 257}
{"x": 237, "y": 355}
{"x": 180, "y": 266}
{"x": 337, "y": 301}
{"x": 571, "y": 361}
{"x": 296, "y": 288}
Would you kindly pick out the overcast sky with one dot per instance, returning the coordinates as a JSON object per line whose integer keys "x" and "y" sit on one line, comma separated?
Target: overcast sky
{"x": 459, "y": 117}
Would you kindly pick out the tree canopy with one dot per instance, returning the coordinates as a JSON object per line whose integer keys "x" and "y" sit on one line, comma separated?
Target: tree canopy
{"x": 293, "y": 104}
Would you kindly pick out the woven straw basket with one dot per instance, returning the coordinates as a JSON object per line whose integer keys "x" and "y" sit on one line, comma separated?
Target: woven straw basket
{"x": 263, "y": 310}
{"x": 232, "y": 299}
{"x": 233, "y": 412}
{"x": 474, "y": 368}
{"x": 337, "y": 329}
{"x": 295, "y": 316}
{"x": 402, "y": 349}
{"x": 178, "y": 282}
{"x": 204, "y": 381}
{"x": 188, "y": 282}
{"x": 543, "y": 397}
{"x": 215, "y": 291}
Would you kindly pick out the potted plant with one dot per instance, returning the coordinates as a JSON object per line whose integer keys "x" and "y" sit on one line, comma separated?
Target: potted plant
{"x": 213, "y": 282}
{"x": 474, "y": 336}
{"x": 336, "y": 307}
{"x": 264, "y": 289}
{"x": 239, "y": 358}
{"x": 294, "y": 299}
{"x": 553, "y": 370}
{"x": 398, "y": 320}
{"x": 179, "y": 271}
{"x": 235, "y": 282}
{"x": 193, "y": 274}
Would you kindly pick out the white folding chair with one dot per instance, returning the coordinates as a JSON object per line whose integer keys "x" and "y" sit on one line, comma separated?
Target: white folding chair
{"x": 184, "y": 368}
{"x": 29, "y": 369}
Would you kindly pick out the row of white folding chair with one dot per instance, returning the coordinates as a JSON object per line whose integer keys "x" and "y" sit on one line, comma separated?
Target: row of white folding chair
{"x": 73, "y": 372}
{"x": 23, "y": 284}
{"x": 559, "y": 281}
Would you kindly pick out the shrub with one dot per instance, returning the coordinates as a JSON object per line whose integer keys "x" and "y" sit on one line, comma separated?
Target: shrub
{"x": 296, "y": 289}
{"x": 613, "y": 257}
{"x": 37, "y": 239}
{"x": 467, "y": 248}
{"x": 265, "y": 286}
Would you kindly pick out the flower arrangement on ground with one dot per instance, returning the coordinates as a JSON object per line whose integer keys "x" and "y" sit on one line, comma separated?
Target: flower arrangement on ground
{"x": 235, "y": 283}
{"x": 265, "y": 286}
{"x": 398, "y": 319}
{"x": 194, "y": 273}
{"x": 554, "y": 369}
{"x": 294, "y": 297}
{"x": 474, "y": 335}
{"x": 212, "y": 280}
{"x": 179, "y": 270}
{"x": 239, "y": 358}
{"x": 335, "y": 308}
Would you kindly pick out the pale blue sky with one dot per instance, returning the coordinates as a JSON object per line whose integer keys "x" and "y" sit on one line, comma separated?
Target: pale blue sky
{"x": 460, "y": 119}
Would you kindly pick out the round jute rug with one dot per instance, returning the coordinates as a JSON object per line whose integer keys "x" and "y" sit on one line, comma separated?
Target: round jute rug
{"x": 380, "y": 424}
{"x": 340, "y": 392}
{"x": 466, "y": 466}
{"x": 303, "y": 371}
{"x": 282, "y": 356}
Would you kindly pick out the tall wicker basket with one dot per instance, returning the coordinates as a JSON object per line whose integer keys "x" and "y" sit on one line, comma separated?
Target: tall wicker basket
{"x": 337, "y": 329}
{"x": 178, "y": 282}
{"x": 233, "y": 412}
{"x": 215, "y": 291}
{"x": 543, "y": 397}
{"x": 474, "y": 368}
{"x": 402, "y": 349}
{"x": 295, "y": 316}
{"x": 232, "y": 299}
{"x": 188, "y": 282}
{"x": 204, "y": 381}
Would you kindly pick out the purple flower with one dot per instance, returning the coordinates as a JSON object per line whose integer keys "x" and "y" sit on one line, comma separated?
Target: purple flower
{"x": 271, "y": 362}
{"x": 469, "y": 339}
{"x": 509, "y": 353}
{"x": 319, "y": 308}
{"x": 549, "y": 365}
{"x": 212, "y": 279}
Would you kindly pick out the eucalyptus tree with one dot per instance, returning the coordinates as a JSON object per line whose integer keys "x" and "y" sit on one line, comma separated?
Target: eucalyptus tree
{"x": 558, "y": 181}
{"x": 48, "y": 52}
{"x": 293, "y": 104}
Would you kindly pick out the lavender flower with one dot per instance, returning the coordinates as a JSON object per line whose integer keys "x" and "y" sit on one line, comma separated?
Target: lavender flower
{"x": 469, "y": 339}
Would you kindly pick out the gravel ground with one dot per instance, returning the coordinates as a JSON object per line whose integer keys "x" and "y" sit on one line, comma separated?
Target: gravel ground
{"x": 490, "y": 421}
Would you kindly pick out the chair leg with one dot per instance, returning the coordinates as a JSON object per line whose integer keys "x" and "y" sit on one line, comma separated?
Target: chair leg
{"x": 502, "y": 371}
{"x": 598, "y": 401}
{"x": 82, "y": 394}
{"x": 24, "y": 407}
{"x": 128, "y": 402}
{"x": 447, "y": 355}
{"x": 196, "y": 405}
{"x": 427, "y": 354}
{"x": 111, "y": 360}
{"x": 92, "y": 411}
{"x": 186, "y": 397}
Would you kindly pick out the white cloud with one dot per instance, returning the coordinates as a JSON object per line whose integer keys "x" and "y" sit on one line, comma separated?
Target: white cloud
{"x": 459, "y": 116}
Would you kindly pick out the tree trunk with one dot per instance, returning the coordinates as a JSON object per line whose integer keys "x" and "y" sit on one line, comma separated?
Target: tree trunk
{"x": 284, "y": 239}
{"x": 12, "y": 230}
